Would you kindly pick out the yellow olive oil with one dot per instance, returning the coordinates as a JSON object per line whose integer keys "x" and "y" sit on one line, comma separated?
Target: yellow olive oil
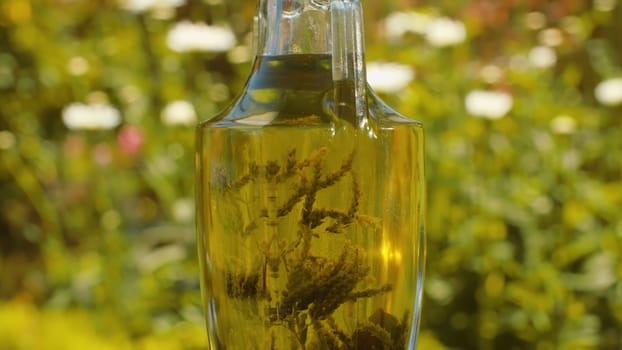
{"x": 310, "y": 221}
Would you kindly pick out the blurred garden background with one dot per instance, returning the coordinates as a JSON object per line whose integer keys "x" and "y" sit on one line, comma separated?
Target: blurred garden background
{"x": 522, "y": 104}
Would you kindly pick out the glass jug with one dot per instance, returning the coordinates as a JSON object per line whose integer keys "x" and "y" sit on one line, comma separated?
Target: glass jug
{"x": 310, "y": 195}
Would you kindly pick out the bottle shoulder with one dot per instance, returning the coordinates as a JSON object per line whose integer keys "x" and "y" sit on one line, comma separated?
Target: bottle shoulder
{"x": 273, "y": 108}
{"x": 296, "y": 90}
{"x": 384, "y": 114}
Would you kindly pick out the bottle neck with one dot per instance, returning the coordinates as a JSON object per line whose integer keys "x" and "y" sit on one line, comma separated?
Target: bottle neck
{"x": 320, "y": 27}
{"x": 286, "y": 27}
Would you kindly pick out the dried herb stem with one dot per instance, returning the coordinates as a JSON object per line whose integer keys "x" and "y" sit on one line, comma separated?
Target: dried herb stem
{"x": 314, "y": 286}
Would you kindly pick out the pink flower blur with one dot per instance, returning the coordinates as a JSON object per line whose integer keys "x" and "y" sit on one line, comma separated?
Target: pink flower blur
{"x": 130, "y": 140}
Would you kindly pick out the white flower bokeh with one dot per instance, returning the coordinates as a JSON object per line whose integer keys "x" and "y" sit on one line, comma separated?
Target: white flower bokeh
{"x": 542, "y": 57}
{"x": 443, "y": 32}
{"x": 488, "y": 104}
{"x": 535, "y": 20}
{"x": 399, "y": 23}
{"x": 551, "y": 37}
{"x": 389, "y": 77}
{"x": 563, "y": 124}
{"x": 146, "y": 5}
{"x": 609, "y": 92}
{"x": 97, "y": 116}
{"x": 491, "y": 73}
{"x": 183, "y": 210}
{"x": 179, "y": 113}
{"x": 78, "y": 66}
{"x": 186, "y": 36}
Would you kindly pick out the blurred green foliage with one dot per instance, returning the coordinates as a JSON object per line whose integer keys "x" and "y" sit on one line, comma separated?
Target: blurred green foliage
{"x": 96, "y": 226}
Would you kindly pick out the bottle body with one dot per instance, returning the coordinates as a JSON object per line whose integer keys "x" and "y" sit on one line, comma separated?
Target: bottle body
{"x": 310, "y": 225}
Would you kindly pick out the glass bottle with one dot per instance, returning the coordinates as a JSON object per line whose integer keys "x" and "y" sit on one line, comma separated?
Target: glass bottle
{"x": 310, "y": 195}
